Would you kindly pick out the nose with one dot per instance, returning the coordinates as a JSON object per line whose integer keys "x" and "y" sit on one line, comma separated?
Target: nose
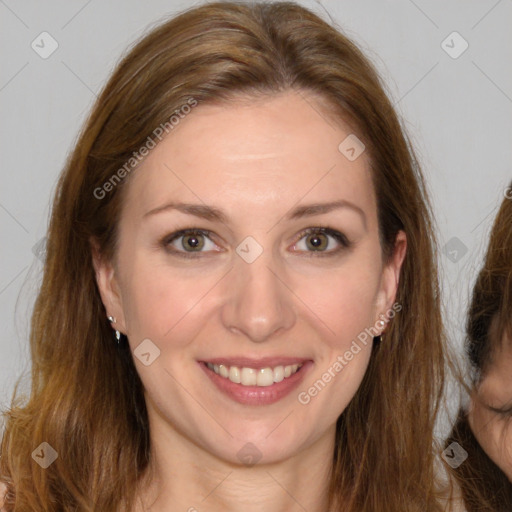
{"x": 258, "y": 302}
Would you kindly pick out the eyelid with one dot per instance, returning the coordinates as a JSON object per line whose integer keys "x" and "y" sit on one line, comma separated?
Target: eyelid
{"x": 344, "y": 244}
{"x": 175, "y": 235}
{"x": 504, "y": 411}
{"x": 326, "y": 230}
{"x": 340, "y": 237}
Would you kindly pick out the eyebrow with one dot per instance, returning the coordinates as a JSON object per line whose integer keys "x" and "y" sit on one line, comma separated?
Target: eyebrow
{"x": 215, "y": 214}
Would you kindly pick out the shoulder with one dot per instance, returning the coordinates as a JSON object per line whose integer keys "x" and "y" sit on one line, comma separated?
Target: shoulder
{"x": 452, "y": 499}
{"x": 448, "y": 490}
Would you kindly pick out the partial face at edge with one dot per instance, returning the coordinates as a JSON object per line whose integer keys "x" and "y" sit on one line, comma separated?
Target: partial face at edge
{"x": 306, "y": 296}
{"x": 490, "y": 415}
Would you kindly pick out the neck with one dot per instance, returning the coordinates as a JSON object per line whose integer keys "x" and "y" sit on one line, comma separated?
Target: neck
{"x": 183, "y": 476}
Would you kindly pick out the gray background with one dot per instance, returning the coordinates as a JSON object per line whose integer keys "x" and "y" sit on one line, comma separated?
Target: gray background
{"x": 457, "y": 112}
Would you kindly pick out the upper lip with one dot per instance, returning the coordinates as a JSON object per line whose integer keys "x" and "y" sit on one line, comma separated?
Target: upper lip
{"x": 257, "y": 363}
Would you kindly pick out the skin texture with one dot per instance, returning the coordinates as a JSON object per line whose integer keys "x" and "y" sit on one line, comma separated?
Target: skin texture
{"x": 493, "y": 429}
{"x": 256, "y": 161}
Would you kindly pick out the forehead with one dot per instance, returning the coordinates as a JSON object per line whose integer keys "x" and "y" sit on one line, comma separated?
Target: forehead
{"x": 264, "y": 153}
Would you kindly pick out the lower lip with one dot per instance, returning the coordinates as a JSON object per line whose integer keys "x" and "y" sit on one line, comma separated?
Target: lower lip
{"x": 258, "y": 395}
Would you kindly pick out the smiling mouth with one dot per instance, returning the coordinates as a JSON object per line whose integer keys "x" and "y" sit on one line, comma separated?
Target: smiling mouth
{"x": 262, "y": 377}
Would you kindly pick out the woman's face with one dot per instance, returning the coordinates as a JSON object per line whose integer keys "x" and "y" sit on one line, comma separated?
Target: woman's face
{"x": 490, "y": 415}
{"x": 252, "y": 292}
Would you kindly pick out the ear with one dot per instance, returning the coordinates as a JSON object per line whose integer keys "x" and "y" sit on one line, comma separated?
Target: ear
{"x": 108, "y": 286}
{"x": 390, "y": 278}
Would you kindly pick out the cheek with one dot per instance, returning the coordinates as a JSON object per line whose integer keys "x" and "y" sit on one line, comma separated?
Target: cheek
{"x": 494, "y": 436}
{"x": 498, "y": 441}
{"x": 159, "y": 303}
{"x": 507, "y": 451}
{"x": 341, "y": 306}
{"x": 343, "y": 299}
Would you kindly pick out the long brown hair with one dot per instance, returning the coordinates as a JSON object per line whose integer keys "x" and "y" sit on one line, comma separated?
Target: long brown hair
{"x": 86, "y": 399}
{"x": 490, "y": 313}
{"x": 484, "y": 486}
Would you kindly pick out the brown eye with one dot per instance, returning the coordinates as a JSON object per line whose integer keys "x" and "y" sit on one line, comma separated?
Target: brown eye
{"x": 317, "y": 241}
{"x": 324, "y": 241}
{"x": 189, "y": 243}
{"x": 193, "y": 242}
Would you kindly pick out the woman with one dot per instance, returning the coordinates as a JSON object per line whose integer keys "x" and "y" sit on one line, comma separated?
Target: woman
{"x": 485, "y": 431}
{"x": 243, "y": 211}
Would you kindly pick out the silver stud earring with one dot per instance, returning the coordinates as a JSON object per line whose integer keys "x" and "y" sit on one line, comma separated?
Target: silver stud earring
{"x": 382, "y": 324}
{"x": 117, "y": 333}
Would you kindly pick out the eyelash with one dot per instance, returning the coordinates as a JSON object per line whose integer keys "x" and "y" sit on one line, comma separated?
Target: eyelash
{"x": 339, "y": 237}
{"x": 506, "y": 412}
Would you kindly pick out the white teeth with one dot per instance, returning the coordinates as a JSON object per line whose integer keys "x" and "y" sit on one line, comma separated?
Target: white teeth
{"x": 251, "y": 377}
{"x": 234, "y": 375}
{"x": 223, "y": 370}
{"x": 278, "y": 373}
{"x": 265, "y": 377}
{"x": 248, "y": 377}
